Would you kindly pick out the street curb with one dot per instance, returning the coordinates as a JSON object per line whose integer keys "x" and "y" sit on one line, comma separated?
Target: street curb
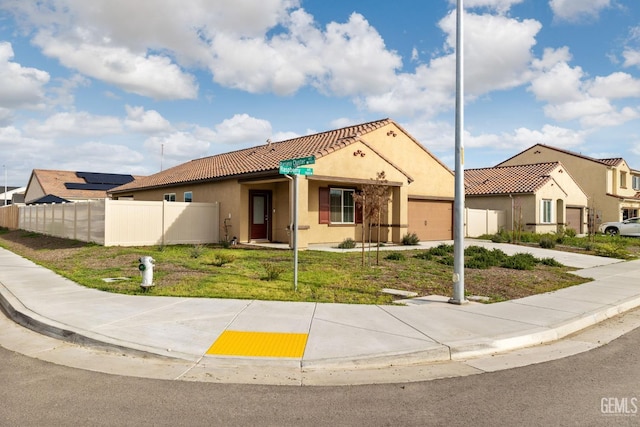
{"x": 23, "y": 316}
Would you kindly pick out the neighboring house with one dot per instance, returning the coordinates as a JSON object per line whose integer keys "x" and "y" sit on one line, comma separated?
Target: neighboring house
{"x": 255, "y": 199}
{"x": 12, "y": 195}
{"x": 538, "y": 198}
{"x": 55, "y": 186}
{"x": 613, "y": 188}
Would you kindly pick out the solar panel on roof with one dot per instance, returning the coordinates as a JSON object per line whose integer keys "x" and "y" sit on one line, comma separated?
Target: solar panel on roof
{"x": 88, "y": 186}
{"x": 104, "y": 178}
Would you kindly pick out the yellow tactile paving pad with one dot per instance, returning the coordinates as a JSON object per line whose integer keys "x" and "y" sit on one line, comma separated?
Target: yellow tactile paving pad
{"x": 259, "y": 344}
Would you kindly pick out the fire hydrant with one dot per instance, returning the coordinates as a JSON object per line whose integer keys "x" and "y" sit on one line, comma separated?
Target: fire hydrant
{"x": 146, "y": 270}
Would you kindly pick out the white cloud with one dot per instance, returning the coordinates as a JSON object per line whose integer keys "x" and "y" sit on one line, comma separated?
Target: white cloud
{"x": 497, "y": 50}
{"x": 74, "y": 124}
{"x": 610, "y": 118}
{"x": 574, "y": 10}
{"x": 243, "y": 129}
{"x": 175, "y": 148}
{"x": 154, "y": 76}
{"x": 549, "y": 135}
{"x": 346, "y": 59}
{"x": 256, "y": 46}
{"x": 100, "y": 157}
{"x": 20, "y": 87}
{"x": 561, "y": 83}
{"x": 21, "y": 153}
{"x": 631, "y": 57}
{"x": 150, "y": 121}
{"x": 615, "y": 85}
{"x": 430, "y": 89}
{"x": 572, "y": 110}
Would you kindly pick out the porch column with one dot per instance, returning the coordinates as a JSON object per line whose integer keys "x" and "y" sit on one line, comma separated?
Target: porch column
{"x": 399, "y": 213}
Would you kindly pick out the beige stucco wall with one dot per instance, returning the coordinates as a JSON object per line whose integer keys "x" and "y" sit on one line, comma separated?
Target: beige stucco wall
{"x": 431, "y": 178}
{"x": 34, "y": 190}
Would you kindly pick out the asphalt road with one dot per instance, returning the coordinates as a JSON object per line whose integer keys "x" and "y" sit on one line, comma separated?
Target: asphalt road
{"x": 599, "y": 387}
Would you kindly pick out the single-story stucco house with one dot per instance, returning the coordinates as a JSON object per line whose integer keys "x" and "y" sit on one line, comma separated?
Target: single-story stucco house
{"x": 256, "y": 200}
{"x": 538, "y": 198}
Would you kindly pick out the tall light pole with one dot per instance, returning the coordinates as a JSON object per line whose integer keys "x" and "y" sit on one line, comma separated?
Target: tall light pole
{"x": 458, "y": 208}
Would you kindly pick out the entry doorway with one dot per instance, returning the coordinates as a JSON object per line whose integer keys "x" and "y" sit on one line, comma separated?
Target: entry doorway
{"x": 260, "y": 215}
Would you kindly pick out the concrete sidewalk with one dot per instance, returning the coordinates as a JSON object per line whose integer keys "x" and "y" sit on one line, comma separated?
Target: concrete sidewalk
{"x": 335, "y": 337}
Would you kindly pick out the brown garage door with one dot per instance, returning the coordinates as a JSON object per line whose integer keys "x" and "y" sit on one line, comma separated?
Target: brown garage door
{"x": 430, "y": 219}
{"x": 574, "y": 219}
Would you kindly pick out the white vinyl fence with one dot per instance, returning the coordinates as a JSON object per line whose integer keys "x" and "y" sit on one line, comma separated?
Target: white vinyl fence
{"x": 484, "y": 221}
{"x": 125, "y": 222}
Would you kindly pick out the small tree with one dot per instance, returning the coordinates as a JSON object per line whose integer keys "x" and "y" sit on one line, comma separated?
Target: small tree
{"x": 373, "y": 199}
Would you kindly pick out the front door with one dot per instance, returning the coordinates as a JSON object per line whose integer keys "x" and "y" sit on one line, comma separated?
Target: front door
{"x": 260, "y": 214}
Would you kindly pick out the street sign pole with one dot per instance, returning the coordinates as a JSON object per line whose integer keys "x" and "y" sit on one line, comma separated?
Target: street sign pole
{"x": 293, "y": 168}
{"x": 295, "y": 232}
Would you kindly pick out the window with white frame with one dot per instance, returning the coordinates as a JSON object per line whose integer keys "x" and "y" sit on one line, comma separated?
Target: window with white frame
{"x": 546, "y": 211}
{"x": 188, "y": 196}
{"x": 170, "y": 197}
{"x": 635, "y": 182}
{"x": 342, "y": 206}
{"x": 623, "y": 179}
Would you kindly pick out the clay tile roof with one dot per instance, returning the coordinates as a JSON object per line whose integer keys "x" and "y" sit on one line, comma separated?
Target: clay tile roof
{"x": 507, "y": 179}
{"x": 612, "y": 162}
{"x": 261, "y": 158}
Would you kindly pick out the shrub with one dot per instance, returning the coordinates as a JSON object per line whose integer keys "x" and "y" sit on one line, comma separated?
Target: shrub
{"x": 221, "y": 259}
{"x": 426, "y": 255}
{"x": 570, "y": 232}
{"x": 612, "y": 250}
{"x": 347, "y": 243}
{"x": 520, "y": 261}
{"x": 478, "y": 263}
{"x": 196, "y": 251}
{"x": 501, "y": 237}
{"x": 550, "y": 262}
{"x": 441, "y": 250}
{"x": 395, "y": 256}
{"x": 547, "y": 243}
{"x": 483, "y": 258}
{"x": 446, "y": 260}
{"x": 273, "y": 271}
{"x": 410, "y": 239}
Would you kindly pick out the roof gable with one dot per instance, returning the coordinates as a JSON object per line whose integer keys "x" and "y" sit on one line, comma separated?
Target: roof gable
{"x": 607, "y": 162}
{"x": 262, "y": 158}
{"x": 520, "y": 179}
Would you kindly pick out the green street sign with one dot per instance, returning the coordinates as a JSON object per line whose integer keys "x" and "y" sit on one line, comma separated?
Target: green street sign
{"x": 305, "y": 171}
{"x": 294, "y": 163}
{"x": 296, "y": 171}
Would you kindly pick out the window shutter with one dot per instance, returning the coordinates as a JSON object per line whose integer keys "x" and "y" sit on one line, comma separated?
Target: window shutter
{"x": 324, "y": 205}
{"x": 358, "y": 214}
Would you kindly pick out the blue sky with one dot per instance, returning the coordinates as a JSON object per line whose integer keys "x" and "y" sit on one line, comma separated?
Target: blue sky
{"x": 127, "y": 86}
